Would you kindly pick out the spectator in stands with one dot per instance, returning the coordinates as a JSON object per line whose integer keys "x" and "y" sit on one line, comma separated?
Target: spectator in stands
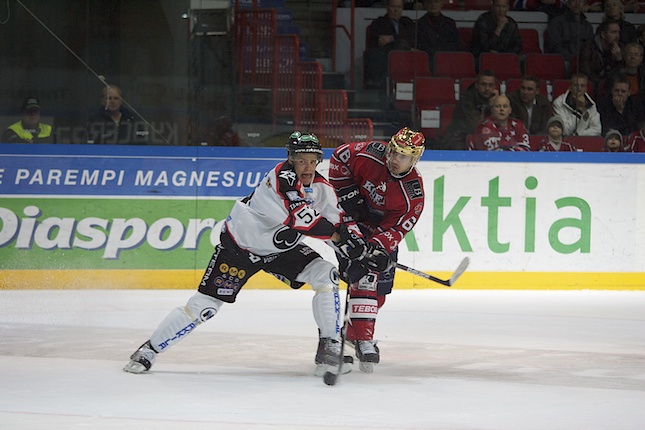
{"x": 614, "y": 142}
{"x": 614, "y": 10}
{"x": 495, "y": 31}
{"x": 500, "y": 132}
{"x": 223, "y": 134}
{"x": 554, "y": 140}
{"x": 632, "y": 67}
{"x": 29, "y": 129}
{"x": 567, "y": 32}
{"x": 530, "y": 106}
{"x": 617, "y": 110}
{"x": 640, "y": 31}
{"x": 113, "y": 123}
{"x": 601, "y": 54}
{"x": 413, "y": 5}
{"x": 577, "y": 109}
{"x": 473, "y": 106}
{"x": 636, "y": 140}
{"x": 390, "y": 32}
{"x": 601, "y": 5}
{"x": 551, "y": 7}
{"x": 435, "y": 31}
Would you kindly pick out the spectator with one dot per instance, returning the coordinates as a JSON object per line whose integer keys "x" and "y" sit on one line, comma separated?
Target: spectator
{"x": 473, "y": 106}
{"x": 577, "y": 109}
{"x": 601, "y": 54}
{"x": 114, "y": 124}
{"x": 640, "y": 32}
{"x": 614, "y": 10}
{"x": 636, "y": 140}
{"x": 617, "y": 110}
{"x": 435, "y": 31}
{"x": 567, "y": 32}
{"x": 500, "y": 132}
{"x": 614, "y": 142}
{"x": 632, "y": 67}
{"x": 386, "y": 33}
{"x": 29, "y": 129}
{"x": 495, "y": 31}
{"x": 223, "y": 133}
{"x": 530, "y": 106}
{"x": 554, "y": 140}
{"x": 600, "y": 5}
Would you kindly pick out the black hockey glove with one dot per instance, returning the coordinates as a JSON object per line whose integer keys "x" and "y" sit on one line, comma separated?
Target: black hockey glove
{"x": 376, "y": 258}
{"x": 350, "y": 200}
{"x": 351, "y": 245}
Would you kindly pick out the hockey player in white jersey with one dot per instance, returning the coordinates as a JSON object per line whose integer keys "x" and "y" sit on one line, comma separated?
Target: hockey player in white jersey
{"x": 264, "y": 231}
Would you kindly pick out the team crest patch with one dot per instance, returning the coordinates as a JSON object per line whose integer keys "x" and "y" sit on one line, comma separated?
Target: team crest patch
{"x": 376, "y": 148}
{"x": 413, "y": 188}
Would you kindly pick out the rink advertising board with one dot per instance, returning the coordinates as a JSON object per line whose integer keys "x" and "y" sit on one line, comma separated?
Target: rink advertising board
{"x": 83, "y": 216}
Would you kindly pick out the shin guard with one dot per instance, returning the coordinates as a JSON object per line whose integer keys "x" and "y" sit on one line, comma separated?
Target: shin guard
{"x": 363, "y": 308}
{"x": 183, "y": 320}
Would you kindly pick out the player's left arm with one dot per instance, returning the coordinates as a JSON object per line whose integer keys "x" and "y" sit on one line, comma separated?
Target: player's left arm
{"x": 397, "y": 223}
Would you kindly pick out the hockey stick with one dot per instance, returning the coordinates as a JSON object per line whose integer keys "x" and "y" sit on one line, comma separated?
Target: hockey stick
{"x": 330, "y": 378}
{"x": 448, "y": 282}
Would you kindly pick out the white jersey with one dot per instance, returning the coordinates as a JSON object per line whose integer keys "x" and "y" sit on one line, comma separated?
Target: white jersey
{"x": 281, "y": 210}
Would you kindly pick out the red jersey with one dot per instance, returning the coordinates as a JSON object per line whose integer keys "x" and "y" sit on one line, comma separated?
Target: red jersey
{"x": 391, "y": 206}
{"x": 547, "y": 146}
{"x": 636, "y": 142}
{"x": 489, "y": 136}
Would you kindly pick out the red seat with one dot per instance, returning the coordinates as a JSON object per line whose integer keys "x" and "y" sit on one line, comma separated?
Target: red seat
{"x": 465, "y": 38}
{"x": 534, "y": 141}
{"x": 504, "y": 65}
{"x": 430, "y": 95}
{"x": 513, "y": 84}
{"x": 587, "y": 143}
{"x": 477, "y": 4}
{"x": 430, "y": 92}
{"x": 455, "y": 65}
{"x": 445, "y": 115}
{"x": 451, "y": 5}
{"x": 545, "y": 66}
{"x": 403, "y": 68}
{"x": 530, "y": 41}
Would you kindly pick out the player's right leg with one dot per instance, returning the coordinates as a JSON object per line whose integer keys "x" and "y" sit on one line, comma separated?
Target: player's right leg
{"x": 177, "y": 325}
{"x": 363, "y": 309}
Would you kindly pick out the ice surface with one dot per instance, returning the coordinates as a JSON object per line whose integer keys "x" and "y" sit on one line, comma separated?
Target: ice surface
{"x": 450, "y": 359}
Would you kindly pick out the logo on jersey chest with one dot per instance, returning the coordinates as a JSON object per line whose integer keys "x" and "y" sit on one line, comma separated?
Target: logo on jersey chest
{"x": 413, "y": 188}
{"x": 374, "y": 190}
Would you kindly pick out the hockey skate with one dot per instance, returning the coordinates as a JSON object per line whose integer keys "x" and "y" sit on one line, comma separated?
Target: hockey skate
{"x": 327, "y": 357}
{"x": 142, "y": 359}
{"x": 368, "y": 355}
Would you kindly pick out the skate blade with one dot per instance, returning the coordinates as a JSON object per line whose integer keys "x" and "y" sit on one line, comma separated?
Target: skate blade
{"x": 134, "y": 367}
{"x": 366, "y": 367}
{"x": 321, "y": 369}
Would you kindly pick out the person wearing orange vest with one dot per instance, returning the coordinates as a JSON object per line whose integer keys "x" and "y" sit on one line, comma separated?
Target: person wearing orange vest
{"x": 29, "y": 129}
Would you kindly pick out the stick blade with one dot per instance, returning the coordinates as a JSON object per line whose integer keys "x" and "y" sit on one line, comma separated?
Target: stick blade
{"x": 460, "y": 270}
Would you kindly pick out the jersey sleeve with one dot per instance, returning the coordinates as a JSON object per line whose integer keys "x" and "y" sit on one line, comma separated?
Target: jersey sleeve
{"x": 396, "y": 224}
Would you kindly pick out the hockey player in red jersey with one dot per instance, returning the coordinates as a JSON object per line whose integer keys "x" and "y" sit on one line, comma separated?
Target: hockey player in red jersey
{"x": 264, "y": 231}
{"x": 380, "y": 188}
